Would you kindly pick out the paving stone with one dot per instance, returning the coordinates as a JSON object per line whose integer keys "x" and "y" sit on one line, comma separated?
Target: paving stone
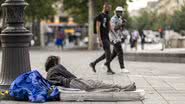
{"x": 174, "y": 97}
{"x": 130, "y": 102}
{"x": 176, "y": 102}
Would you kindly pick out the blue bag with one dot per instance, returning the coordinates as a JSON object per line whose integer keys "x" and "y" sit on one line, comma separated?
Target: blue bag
{"x": 33, "y": 87}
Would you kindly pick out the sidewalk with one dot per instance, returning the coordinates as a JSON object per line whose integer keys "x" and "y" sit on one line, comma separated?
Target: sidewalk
{"x": 149, "y": 48}
{"x": 152, "y": 53}
{"x": 164, "y": 83}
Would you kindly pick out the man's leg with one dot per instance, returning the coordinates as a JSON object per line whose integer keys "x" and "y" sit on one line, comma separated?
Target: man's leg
{"x": 93, "y": 64}
{"x": 113, "y": 55}
{"x": 91, "y": 85}
{"x": 119, "y": 52}
{"x": 102, "y": 57}
{"x": 106, "y": 47}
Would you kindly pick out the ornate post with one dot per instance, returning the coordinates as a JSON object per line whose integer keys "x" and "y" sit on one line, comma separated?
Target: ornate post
{"x": 15, "y": 40}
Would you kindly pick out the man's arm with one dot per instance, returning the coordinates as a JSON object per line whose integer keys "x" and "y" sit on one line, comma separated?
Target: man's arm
{"x": 98, "y": 32}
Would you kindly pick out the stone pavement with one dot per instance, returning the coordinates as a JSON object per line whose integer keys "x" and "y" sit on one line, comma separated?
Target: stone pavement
{"x": 164, "y": 83}
{"x": 152, "y": 53}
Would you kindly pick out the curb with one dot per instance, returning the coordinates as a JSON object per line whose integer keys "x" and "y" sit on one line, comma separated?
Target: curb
{"x": 156, "y": 57}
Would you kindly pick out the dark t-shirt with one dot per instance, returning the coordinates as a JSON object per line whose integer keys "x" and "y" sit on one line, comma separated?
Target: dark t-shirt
{"x": 104, "y": 20}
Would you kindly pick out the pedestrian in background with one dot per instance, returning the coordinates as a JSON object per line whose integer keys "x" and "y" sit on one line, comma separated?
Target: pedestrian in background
{"x": 142, "y": 35}
{"x": 135, "y": 36}
{"x": 117, "y": 37}
{"x": 102, "y": 29}
{"x": 60, "y": 38}
{"x": 49, "y": 34}
{"x": 161, "y": 31}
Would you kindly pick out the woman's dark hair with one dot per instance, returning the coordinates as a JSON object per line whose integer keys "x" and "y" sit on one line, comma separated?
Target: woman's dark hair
{"x": 51, "y": 62}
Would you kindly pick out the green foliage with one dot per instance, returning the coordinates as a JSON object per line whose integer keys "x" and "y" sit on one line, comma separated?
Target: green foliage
{"x": 39, "y": 9}
{"x": 178, "y": 23}
{"x": 151, "y": 21}
{"x": 79, "y": 8}
{"x": 155, "y": 21}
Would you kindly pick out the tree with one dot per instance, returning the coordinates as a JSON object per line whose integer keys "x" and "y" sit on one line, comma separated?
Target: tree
{"x": 152, "y": 21}
{"x": 92, "y": 37}
{"x": 39, "y": 9}
{"x": 79, "y": 8}
{"x": 178, "y": 23}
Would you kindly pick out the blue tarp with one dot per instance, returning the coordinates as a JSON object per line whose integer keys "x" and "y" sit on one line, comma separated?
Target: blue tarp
{"x": 33, "y": 87}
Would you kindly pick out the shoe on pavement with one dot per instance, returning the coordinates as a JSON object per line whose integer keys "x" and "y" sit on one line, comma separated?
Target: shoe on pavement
{"x": 110, "y": 72}
{"x": 124, "y": 71}
{"x": 92, "y": 65}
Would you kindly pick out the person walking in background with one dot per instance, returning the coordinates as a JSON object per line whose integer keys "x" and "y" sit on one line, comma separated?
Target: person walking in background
{"x": 161, "y": 31}
{"x": 49, "y": 34}
{"x": 117, "y": 36}
{"x": 60, "y": 38}
{"x": 130, "y": 39}
{"x": 102, "y": 29}
{"x": 142, "y": 35}
{"x": 135, "y": 36}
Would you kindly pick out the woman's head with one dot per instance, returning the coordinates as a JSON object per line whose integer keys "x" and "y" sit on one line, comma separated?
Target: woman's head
{"x": 51, "y": 62}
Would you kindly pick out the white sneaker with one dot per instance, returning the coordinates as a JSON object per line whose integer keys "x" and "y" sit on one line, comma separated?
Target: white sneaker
{"x": 124, "y": 71}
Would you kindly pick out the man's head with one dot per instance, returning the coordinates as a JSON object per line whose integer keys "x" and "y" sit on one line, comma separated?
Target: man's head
{"x": 107, "y": 8}
{"x": 51, "y": 62}
{"x": 119, "y": 11}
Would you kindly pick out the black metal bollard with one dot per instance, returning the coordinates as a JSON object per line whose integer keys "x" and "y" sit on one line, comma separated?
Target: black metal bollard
{"x": 15, "y": 39}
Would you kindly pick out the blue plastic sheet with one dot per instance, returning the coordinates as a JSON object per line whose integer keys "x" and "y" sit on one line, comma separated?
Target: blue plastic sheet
{"x": 33, "y": 87}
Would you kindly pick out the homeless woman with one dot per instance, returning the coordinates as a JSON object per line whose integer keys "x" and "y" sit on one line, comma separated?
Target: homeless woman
{"x": 58, "y": 75}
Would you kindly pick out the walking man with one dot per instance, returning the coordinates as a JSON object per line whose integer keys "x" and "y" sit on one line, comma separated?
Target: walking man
{"x": 161, "y": 31}
{"x": 135, "y": 36}
{"x": 117, "y": 36}
{"x": 102, "y": 29}
{"x": 142, "y": 35}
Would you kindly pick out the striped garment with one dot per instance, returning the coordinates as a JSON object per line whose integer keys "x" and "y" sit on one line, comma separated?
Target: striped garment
{"x": 94, "y": 85}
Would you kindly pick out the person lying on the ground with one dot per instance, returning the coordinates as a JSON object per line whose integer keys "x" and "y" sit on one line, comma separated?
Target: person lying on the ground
{"x": 58, "y": 75}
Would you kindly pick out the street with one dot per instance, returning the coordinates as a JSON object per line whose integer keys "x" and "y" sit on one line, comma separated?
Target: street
{"x": 164, "y": 83}
{"x": 69, "y": 29}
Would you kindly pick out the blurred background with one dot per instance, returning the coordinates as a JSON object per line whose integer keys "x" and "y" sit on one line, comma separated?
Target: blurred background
{"x": 73, "y": 20}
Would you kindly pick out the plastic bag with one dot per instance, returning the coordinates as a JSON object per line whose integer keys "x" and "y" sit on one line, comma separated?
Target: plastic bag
{"x": 33, "y": 87}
